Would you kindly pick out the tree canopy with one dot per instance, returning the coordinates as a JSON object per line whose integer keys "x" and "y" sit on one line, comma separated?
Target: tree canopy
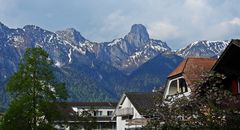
{"x": 34, "y": 94}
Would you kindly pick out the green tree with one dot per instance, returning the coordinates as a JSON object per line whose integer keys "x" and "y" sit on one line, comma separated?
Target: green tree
{"x": 34, "y": 94}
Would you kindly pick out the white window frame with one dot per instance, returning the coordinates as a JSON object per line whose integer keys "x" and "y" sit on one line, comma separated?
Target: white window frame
{"x": 166, "y": 93}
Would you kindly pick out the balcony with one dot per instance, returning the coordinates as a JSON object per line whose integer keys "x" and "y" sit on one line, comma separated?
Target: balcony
{"x": 124, "y": 111}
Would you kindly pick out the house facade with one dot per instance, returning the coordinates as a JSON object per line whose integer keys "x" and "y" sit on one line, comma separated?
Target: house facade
{"x": 229, "y": 65}
{"x": 100, "y": 111}
{"x": 131, "y": 111}
{"x": 189, "y": 71}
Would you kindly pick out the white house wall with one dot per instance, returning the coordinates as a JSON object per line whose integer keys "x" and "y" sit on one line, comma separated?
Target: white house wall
{"x": 122, "y": 124}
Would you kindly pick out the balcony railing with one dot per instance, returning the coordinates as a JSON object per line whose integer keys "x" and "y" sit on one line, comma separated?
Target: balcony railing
{"x": 124, "y": 111}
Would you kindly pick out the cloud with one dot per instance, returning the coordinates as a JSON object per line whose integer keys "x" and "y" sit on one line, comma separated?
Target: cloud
{"x": 163, "y": 30}
{"x": 114, "y": 25}
{"x": 115, "y": 20}
{"x": 178, "y": 22}
{"x": 5, "y": 5}
{"x": 224, "y": 30}
{"x": 234, "y": 21}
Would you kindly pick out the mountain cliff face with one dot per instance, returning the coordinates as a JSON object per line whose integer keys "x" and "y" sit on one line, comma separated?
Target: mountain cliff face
{"x": 130, "y": 52}
{"x": 99, "y": 71}
{"x": 203, "y": 49}
{"x": 92, "y": 71}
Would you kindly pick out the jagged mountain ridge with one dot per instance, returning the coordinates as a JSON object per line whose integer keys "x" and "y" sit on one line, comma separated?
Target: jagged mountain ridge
{"x": 104, "y": 70}
{"x": 203, "y": 48}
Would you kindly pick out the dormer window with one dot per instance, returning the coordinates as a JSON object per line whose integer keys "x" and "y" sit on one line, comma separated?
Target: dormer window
{"x": 177, "y": 86}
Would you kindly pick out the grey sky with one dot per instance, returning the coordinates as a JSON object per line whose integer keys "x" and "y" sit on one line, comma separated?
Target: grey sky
{"x": 178, "y": 22}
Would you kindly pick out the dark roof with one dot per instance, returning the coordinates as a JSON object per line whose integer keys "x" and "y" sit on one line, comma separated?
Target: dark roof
{"x": 142, "y": 101}
{"x": 192, "y": 69}
{"x": 93, "y": 104}
{"x": 228, "y": 63}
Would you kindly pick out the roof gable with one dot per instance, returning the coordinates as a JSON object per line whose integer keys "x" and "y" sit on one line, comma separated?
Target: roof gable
{"x": 192, "y": 69}
{"x": 179, "y": 69}
{"x": 142, "y": 101}
{"x": 227, "y": 63}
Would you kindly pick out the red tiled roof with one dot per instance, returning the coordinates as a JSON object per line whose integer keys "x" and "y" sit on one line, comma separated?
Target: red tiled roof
{"x": 179, "y": 69}
{"x": 192, "y": 68}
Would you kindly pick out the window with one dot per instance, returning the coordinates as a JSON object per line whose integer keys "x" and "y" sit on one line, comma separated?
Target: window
{"x": 109, "y": 113}
{"x": 177, "y": 86}
{"x": 127, "y": 117}
{"x": 183, "y": 85}
{"x": 173, "y": 87}
{"x": 97, "y": 113}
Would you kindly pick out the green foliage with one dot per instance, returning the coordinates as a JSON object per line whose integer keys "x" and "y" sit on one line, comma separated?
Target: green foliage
{"x": 210, "y": 106}
{"x": 34, "y": 92}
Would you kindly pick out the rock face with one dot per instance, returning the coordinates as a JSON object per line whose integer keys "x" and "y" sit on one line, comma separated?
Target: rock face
{"x": 138, "y": 36}
{"x": 203, "y": 49}
{"x": 102, "y": 69}
{"x": 98, "y": 71}
{"x": 130, "y": 52}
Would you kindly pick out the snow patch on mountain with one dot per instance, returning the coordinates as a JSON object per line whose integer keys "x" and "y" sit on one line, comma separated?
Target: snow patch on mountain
{"x": 58, "y": 64}
{"x": 69, "y": 56}
{"x": 203, "y": 48}
{"x": 115, "y": 42}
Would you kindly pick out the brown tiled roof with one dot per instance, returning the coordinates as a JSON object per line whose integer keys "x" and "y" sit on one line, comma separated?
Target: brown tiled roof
{"x": 179, "y": 69}
{"x": 193, "y": 68}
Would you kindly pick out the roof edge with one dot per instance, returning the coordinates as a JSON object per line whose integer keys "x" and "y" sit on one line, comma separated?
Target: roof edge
{"x": 223, "y": 54}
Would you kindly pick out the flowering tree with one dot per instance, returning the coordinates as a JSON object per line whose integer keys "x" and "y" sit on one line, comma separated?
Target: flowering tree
{"x": 210, "y": 106}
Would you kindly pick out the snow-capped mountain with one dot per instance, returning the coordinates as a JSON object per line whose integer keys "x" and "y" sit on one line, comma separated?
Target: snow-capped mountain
{"x": 203, "y": 48}
{"x": 128, "y": 53}
{"x": 99, "y": 68}
{"x": 99, "y": 71}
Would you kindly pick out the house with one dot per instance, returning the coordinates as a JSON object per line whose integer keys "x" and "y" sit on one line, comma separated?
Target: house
{"x": 229, "y": 65}
{"x": 101, "y": 111}
{"x": 188, "y": 72}
{"x": 132, "y": 110}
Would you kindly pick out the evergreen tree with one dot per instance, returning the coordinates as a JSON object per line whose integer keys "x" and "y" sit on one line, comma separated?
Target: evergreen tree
{"x": 34, "y": 94}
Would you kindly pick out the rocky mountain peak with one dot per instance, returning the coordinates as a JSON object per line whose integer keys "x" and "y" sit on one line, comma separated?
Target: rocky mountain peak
{"x": 72, "y": 35}
{"x": 203, "y": 48}
{"x": 3, "y": 30}
{"x": 139, "y": 29}
{"x": 2, "y": 27}
{"x": 31, "y": 28}
{"x": 138, "y": 35}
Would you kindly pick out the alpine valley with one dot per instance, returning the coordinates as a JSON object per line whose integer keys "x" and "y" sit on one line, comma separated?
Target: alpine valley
{"x": 99, "y": 71}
